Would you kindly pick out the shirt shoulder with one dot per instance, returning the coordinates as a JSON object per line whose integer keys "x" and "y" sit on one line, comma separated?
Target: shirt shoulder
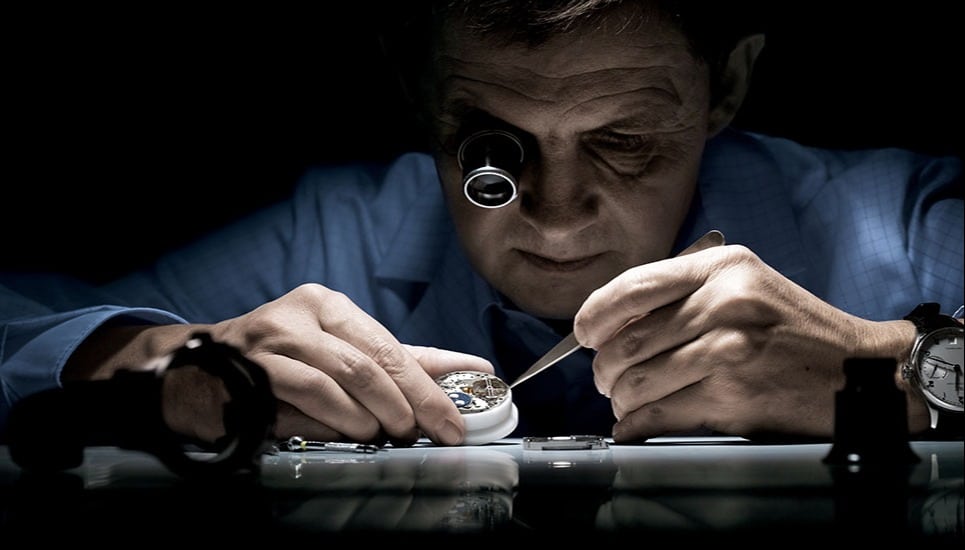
{"x": 404, "y": 178}
{"x": 806, "y": 169}
{"x": 370, "y": 208}
{"x": 388, "y": 221}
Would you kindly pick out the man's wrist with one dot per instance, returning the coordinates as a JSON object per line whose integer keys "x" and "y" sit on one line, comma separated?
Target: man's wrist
{"x": 121, "y": 343}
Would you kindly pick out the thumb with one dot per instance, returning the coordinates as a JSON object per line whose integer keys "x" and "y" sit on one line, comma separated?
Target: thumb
{"x": 436, "y": 361}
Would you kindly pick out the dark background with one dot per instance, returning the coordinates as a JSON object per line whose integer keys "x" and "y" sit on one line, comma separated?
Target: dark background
{"x": 129, "y": 133}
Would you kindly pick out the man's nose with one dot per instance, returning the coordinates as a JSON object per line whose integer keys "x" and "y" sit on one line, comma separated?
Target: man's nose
{"x": 556, "y": 197}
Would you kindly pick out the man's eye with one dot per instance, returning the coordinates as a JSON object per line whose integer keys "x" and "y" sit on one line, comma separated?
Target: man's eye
{"x": 630, "y": 155}
{"x": 619, "y": 143}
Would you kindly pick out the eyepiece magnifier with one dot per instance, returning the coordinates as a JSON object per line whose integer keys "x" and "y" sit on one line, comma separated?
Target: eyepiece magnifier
{"x": 491, "y": 161}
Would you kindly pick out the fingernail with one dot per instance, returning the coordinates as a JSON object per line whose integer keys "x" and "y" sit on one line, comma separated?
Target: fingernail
{"x": 450, "y": 433}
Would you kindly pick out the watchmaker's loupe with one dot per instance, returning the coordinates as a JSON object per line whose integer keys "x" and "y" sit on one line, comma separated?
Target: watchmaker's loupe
{"x": 490, "y": 161}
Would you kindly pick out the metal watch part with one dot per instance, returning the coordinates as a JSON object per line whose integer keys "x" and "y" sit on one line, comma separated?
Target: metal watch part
{"x": 486, "y": 404}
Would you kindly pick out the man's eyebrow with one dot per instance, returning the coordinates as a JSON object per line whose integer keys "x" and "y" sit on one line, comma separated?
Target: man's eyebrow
{"x": 634, "y": 122}
{"x": 468, "y": 113}
{"x": 460, "y": 107}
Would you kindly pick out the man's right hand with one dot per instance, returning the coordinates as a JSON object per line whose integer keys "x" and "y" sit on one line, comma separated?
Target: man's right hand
{"x": 337, "y": 372}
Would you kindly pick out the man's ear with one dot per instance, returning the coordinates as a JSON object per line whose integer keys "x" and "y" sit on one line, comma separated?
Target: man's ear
{"x": 735, "y": 79}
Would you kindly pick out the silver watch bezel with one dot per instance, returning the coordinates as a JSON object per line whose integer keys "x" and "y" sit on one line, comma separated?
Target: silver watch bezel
{"x": 911, "y": 370}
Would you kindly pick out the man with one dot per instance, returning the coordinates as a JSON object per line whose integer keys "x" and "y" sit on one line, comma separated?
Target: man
{"x": 372, "y": 282}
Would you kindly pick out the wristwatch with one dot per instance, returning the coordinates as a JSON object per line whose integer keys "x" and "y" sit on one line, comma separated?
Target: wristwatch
{"x": 934, "y": 367}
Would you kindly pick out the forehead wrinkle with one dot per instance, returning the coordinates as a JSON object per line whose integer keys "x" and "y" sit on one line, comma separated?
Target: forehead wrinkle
{"x": 567, "y": 60}
{"x": 670, "y": 95}
{"x": 668, "y": 110}
{"x": 455, "y": 87}
{"x": 577, "y": 88}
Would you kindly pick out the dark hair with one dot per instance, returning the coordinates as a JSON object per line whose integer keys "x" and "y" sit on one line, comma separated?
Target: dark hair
{"x": 711, "y": 27}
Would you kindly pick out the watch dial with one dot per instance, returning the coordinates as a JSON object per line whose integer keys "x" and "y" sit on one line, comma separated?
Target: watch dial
{"x": 473, "y": 391}
{"x": 939, "y": 367}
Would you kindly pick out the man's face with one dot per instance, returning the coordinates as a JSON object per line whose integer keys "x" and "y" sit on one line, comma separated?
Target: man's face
{"x": 615, "y": 125}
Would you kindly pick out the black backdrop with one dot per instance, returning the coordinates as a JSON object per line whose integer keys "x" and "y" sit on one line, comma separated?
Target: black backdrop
{"x": 130, "y": 132}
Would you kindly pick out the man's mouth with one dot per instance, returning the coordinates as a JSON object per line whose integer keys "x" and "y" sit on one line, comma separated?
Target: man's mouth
{"x": 558, "y": 265}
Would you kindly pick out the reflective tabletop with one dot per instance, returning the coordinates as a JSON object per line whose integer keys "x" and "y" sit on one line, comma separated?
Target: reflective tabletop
{"x": 699, "y": 488}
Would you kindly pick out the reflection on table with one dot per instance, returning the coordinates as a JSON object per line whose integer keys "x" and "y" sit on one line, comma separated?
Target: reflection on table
{"x": 679, "y": 488}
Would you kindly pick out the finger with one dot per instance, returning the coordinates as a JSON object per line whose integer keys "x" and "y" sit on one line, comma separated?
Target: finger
{"x": 353, "y": 355}
{"x": 434, "y": 412}
{"x": 317, "y": 396}
{"x": 684, "y": 411}
{"x": 641, "y": 340}
{"x": 367, "y": 362}
{"x": 409, "y": 399}
{"x": 436, "y": 361}
{"x": 638, "y": 291}
{"x": 370, "y": 370}
{"x": 657, "y": 379}
{"x": 290, "y": 421}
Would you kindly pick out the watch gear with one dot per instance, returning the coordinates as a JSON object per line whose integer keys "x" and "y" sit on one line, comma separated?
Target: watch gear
{"x": 486, "y": 404}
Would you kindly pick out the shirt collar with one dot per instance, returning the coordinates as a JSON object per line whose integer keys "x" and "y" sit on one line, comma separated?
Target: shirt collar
{"x": 422, "y": 239}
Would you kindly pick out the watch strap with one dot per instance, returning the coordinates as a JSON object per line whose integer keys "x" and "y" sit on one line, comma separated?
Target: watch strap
{"x": 927, "y": 317}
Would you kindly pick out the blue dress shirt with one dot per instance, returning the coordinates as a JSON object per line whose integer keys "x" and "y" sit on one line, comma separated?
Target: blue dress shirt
{"x": 872, "y": 232}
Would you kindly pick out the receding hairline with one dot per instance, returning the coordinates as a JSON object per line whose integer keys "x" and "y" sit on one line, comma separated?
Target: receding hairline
{"x": 533, "y": 22}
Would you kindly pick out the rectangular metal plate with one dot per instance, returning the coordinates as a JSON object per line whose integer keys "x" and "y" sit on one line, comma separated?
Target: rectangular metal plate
{"x": 565, "y": 443}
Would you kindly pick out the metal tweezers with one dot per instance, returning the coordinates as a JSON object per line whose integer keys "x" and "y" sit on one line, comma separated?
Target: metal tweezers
{"x": 569, "y": 344}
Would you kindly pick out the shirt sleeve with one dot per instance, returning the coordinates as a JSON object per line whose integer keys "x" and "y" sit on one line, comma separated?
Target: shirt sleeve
{"x": 327, "y": 232}
{"x": 35, "y": 341}
{"x": 880, "y": 229}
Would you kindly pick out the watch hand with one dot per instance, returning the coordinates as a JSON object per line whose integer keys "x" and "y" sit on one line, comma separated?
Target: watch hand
{"x": 938, "y": 363}
{"x": 938, "y": 359}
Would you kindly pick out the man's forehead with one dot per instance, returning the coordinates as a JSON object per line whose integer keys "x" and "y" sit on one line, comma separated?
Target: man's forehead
{"x": 467, "y": 82}
{"x": 569, "y": 73}
{"x": 585, "y": 76}
{"x": 584, "y": 49}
